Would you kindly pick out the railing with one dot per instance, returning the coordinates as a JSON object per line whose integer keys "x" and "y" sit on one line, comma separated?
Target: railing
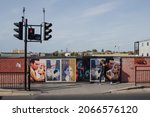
{"x": 12, "y": 80}
{"x": 142, "y": 74}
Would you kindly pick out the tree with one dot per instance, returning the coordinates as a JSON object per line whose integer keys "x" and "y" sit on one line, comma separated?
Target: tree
{"x": 130, "y": 52}
{"x": 102, "y": 50}
{"x": 108, "y": 52}
{"x": 56, "y": 53}
{"x": 74, "y": 54}
{"x": 94, "y": 50}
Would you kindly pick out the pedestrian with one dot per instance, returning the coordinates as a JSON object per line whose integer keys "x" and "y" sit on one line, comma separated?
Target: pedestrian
{"x": 101, "y": 71}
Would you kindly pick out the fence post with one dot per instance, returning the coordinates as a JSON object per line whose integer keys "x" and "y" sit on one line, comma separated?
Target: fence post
{"x": 135, "y": 75}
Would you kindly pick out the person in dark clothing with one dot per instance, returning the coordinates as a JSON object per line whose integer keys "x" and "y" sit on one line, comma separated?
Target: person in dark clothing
{"x": 101, "y": 71}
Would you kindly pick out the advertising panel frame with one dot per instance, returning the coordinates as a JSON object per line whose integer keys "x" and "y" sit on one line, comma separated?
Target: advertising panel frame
{"x": 69, "y": 68}
{"x": 96, "y": 71}
{"x": 54, "y": 70}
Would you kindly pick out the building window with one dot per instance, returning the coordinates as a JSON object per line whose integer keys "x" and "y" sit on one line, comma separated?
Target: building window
{"x": 142, "y": 54}
{"x": 142, "y": 44}
{"x": 147, "y": 43}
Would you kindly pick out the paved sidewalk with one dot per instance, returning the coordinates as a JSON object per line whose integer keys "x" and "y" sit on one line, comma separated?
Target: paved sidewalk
{"x": 71, "y": 88}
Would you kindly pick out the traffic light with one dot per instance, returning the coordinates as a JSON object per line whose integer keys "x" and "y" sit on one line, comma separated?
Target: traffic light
{"x": 31, "y": 34}
{"x": 19, "y": 30}
{"x": 47, "y": 30}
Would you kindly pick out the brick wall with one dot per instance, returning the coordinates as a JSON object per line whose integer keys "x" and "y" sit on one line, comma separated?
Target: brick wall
{"x": 11, "y": 70}
{"x": 11, "y": 65}
{"x": 135, "y": 67}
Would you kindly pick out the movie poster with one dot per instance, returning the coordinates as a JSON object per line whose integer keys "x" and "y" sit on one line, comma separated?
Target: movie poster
{"x": 112, "y": 69}
{"x": 69, "y": 70}
{"x": 37, "y": 70}
{"x": 53, "y": 70}
{"x": 106, "y": 69}
{"x": 97, "y": 69}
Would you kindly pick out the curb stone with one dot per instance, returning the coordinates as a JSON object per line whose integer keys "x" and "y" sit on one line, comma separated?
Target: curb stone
{"x": 129, "y": 88}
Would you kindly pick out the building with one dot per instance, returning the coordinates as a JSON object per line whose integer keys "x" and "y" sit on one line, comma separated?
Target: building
{"x": 67, "y": 54}
{"x": 18, "y": 51}
{"x": 142, "y": 48}
{"x": 12, "y": 55}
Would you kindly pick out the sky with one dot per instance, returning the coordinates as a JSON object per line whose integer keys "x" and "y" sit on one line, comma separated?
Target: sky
{"x": 78, "y": 25}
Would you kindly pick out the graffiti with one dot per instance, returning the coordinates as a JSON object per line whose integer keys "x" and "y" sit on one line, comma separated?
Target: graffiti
{"x": 18, "y": 65}
{"x": 90, "y": 69}
{"x": 87, "y": 68}
{"x": 140, "y": 61}
{"x": 80, "y": 70}
{"x": 83, "y": 69}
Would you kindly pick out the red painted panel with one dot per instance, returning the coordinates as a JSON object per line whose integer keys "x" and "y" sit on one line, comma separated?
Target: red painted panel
{"x": 142, "y": 71}
{"x": 11, "y": 65}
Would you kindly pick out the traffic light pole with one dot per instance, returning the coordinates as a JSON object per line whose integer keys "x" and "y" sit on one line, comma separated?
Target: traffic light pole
{"x": 22, "y": 27}
{"x": 27, "y": 76}
{"x": 25, "y": 54}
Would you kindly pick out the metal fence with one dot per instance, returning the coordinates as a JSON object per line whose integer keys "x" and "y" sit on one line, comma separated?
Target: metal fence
{"x": 142, "y": 74}
{"x": 11, "y": 80}
{"x": 12, "y": 74}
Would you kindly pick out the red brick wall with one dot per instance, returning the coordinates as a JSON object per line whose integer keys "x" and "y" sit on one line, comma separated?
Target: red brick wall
{"x": 11, "y": 65}
{"x": 128, "y": 69}
{"x": 11, "y": 70}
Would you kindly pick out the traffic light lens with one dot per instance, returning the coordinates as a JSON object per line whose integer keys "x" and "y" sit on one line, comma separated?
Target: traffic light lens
{"x": 31, "y": 34}
{"x": 30, "y": 31}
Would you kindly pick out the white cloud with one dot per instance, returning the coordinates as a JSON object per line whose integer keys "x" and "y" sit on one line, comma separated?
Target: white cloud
{"x": 99, "y": 9}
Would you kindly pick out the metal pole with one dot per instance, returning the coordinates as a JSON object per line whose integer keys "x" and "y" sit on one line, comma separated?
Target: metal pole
{"x": 29, "y": 75}
{"x": 135, "y": 74}
{"x": 43, "y": 14}
{"x": 41, "y": 33}
{"x": 25, "y": 54}
{"x": 23, "y": 11}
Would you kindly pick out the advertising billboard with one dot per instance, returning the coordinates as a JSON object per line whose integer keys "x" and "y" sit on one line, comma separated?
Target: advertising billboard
{"x": 69, "y": 70}
{"x": 104, "y": 69}
{"x": 96, "y": 69}
{"x": 53, "y": 70}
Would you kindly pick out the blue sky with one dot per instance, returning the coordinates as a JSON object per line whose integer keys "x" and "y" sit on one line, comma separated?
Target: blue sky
{"x": 78, "y": 24}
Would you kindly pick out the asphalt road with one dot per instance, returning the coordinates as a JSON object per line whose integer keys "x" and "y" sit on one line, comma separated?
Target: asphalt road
{"x": 135, "y": 94}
